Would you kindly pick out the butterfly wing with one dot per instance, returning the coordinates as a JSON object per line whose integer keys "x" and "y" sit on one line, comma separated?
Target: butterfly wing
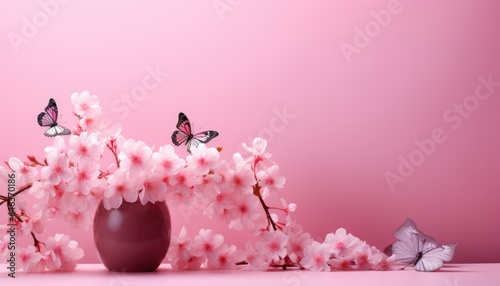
{"x": 205, "y": 136}
{"x": 405, "y": 231}
{"x": 49, "y": 117}
{"x": 408, "y": 245}
{"x": 183, "y": 124}
{"x": 406, "y": 250}
{"x": 44, "y": 119}
{"x": 433, "y": 259}
{"x": 201, "y": 137}
{"x": 183, "y": 134}
{"x": 179, "y": 137}
{"x": 57, "y": 130}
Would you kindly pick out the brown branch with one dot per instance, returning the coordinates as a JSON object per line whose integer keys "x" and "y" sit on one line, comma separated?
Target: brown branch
{"x": 5, "y": 199}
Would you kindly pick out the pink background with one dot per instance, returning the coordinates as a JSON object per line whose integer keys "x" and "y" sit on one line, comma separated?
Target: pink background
{"x": 352, "y": 120}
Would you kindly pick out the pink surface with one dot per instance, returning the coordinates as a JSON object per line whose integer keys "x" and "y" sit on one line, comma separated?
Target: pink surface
{"x": 96, "y": 274}
{"x": 363, "y": 99}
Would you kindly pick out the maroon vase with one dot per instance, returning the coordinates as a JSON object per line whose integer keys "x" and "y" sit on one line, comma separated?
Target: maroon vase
{"x": 133, "y": 237}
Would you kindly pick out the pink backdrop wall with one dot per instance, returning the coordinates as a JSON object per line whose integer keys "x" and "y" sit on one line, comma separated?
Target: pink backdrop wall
{"x": 357, "y": 101}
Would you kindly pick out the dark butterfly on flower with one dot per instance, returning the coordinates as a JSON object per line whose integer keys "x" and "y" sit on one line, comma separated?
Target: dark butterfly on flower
{"x": 49, "y": 118}
{"x": 184, "y": 134}
{"x": 422, "y": 251}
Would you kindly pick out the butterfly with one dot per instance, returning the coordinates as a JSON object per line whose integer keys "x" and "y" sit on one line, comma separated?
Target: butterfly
{"x": 49, "y": 118}
{"x": 420, "y": 250}
{"x": 185, "y": 136}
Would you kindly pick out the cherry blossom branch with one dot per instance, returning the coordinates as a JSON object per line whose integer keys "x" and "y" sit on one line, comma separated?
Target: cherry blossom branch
{"x": 270, "y": 221}
{"x": 256, "y": 192}
{"x": 36, "y": 242}
{"x": 34, "y": 161}
{"x": 112, "y": 147}
{"x": 5, "y": 199}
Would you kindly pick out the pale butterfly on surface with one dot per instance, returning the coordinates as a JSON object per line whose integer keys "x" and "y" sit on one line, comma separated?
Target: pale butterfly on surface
{"x": 49, "y": 118}
{"x": 420, "y": 250}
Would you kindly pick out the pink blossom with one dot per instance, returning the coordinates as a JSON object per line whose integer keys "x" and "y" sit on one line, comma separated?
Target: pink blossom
{"x": 77, "y": 201}
{"x": 57, "y": 147}
{"x": 316, "y": 256}
{"x": 382, "y": 261}
{"x": 62, "y": 253}
{"x": 91, "y": 124}
{"x": 57, "y": 169}
{"x": 81, "y": 220}
{"x": 221, "y": 205}
{"x": 181, "y": 188}
{"x": 341, "y": 263}
{"x": 179, "y": 254}
{"x": 85, "y": 147}
{"x": 166, "y": 161}
{"x": 225, "y": 258}
{"x": 340, "y": 243}
{"x": 245, "y": 211}
{"x": 135, "y": 157}
{"x": 269, "y": 180}
{"x": 38, "y": 190}
{"x": 85, "y": 177}
{"x": 24, "y": 227}
{"x": 192, "y": 263}
{"x": 27, "y": 256}
{"x": 273, "y": 245}
{"x": 185, "y": 197}
{"x": 38, "y": 222}
{"x": 255, "y": 259}
{"x": 296, "y": 246}
{"x": 153, "y": 189}
{"x": 184, "y": 179}
{"x": 120, "y": 188}
{"x": 57, "y": 191}
{"x": 241, "y": 179}
{"x": 257, "y": 150}
{"x": 208, "y": 188}
{"x": 363, "y": 257}
{"x": 222, "y": 170}
{"x": 86, "y": 105}
{"x": 52, "y": 209}
{"x": 179, "y": 246}
{"x": 37, "y": 266}
{"x": 258, "y": 146}
{"x": 30, "y": 223}
{"x": 203, "y": 159}
{"x": 206, "y": 243}
{"x": 25, "y": 174}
